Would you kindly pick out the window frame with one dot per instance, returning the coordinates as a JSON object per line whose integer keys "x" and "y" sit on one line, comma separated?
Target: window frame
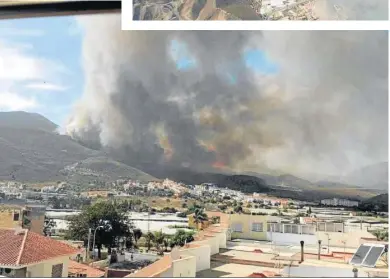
{"x": 257, "y": 227}
{"x": 237, "y": 228}
{"x": 16, "y": 214}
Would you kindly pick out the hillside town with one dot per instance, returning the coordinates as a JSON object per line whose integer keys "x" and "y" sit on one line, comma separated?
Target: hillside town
{"x": 242, "y": 234}
{"x": 185, "y": 153}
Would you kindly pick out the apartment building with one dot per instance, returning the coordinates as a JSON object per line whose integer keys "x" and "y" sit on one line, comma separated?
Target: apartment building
{"x": 339, "y": 202}
{"x": 24, "y": 253}
{"x": 28, "y": 217}
{"x": 268, "y": 228}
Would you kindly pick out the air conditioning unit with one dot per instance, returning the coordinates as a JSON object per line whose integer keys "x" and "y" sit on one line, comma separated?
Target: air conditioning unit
{"x": 7, "y": 272}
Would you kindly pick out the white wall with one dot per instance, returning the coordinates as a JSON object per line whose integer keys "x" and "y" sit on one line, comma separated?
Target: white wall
{"x": 35, "y": 271}
{"x": 201, "y": 254}
{"x": 214, "y": 245}
{"x": 184, "y": 267}
{"x": 351, "y": 239}
{"x": 44, "y": 269}
{"x": 222, "y": 239}
{"x": 290, "y": 238}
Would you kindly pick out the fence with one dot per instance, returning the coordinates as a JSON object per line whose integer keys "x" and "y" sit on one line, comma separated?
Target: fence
{"x": 330, "y": 227}
{"x": 290, "y": 228}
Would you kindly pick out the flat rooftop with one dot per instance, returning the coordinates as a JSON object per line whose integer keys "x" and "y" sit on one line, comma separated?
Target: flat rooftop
{"x": 218, "y": 269}
{"x": 268, "y": 247}
{"x": 241, "y": 259}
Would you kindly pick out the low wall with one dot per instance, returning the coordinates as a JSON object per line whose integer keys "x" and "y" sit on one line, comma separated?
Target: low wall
{"x": 185, "y": 267}
{"x": 290, "y": 238}
{"x": 201, "y": 254}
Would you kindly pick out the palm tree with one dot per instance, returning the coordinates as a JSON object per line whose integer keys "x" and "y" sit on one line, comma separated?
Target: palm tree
{"x": 377, "y": 234}
{"x": 166, "y": 241}
{"x": 137, "y": 234}
{"x": 149, "y": 239}
{"x": 158, "y": 239}
{"x": 199, "y": 217}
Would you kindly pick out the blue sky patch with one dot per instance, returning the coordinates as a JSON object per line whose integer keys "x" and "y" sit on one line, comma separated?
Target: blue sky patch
{"x": 57, "y": 41}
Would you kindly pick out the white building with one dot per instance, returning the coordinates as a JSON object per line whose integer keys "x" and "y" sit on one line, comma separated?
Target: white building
{"x": 339, "y": 202}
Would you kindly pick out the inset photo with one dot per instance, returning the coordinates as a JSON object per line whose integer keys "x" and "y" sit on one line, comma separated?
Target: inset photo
{"x": 260, "y": 9}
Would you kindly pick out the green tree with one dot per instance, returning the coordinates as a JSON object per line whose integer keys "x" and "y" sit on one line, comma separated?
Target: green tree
{"x": 199, "y": 216}
{"x": 381, "y": 235}
{"x": 166, "y": 242}
{"x": 181, "y": 237}
{"x": 193, "y": 207}
{"x": 54, "y": 202}
{"x": 238, "y": 209}
{"x": 109, "y": 221}
{"x": 137, "y": 234}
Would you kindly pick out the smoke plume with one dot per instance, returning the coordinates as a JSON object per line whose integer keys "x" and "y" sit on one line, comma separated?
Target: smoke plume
{"x": 324, "y": 110}
{"x": 352, "y": 9}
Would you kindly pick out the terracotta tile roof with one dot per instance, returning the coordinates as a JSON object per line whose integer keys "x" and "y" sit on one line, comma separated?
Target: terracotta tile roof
{"x": 78, "y": 268}
{"x": 309, "y": 220}
{"x": 23, "y": 247}
{"x": 257, "y": 275}
{"x": 155, "y": 268}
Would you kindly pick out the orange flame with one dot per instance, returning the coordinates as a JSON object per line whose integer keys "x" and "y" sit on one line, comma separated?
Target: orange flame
{"x": 219, "y": 165}
{"x": 164, "y": 141}
{"x": 208, "y": 146}
{"x": 166, "y": 145}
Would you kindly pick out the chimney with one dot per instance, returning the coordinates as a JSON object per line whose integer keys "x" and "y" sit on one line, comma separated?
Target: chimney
{"x": 302, "y": 251}
{"x": 319, "y": 249}
{"x": 355, "y": 272}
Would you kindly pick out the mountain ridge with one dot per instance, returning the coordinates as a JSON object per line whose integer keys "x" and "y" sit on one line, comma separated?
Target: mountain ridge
{"x": 35, "y": 152}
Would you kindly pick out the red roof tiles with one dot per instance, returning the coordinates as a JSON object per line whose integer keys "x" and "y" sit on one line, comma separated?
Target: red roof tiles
{"x": 23, "y": 247}
{"x": 78, "y": 268}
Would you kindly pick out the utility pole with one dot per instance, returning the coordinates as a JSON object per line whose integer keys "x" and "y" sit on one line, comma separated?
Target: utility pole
{"x": 319, "y": 249}
{"x": 89, "y": 239}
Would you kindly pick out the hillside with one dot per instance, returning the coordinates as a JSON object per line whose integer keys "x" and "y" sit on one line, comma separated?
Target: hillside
{"x": 26, "y": 120}
{"x": 372, "y": 177}
{"x": 377, "y": 203}
{"x": 30, "y": 151}
{"x": 194, "y": 10}
{"x": 102, "y": 169}
{"x": 244, "y": 183}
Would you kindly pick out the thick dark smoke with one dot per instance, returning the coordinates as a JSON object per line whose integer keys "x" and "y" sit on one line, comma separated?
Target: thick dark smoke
{"x": 324, "y": 111}
{"x": 352, "y": 9}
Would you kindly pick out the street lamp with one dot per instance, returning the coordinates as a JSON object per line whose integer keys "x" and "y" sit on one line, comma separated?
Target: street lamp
{"x": 94, "y": 236}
